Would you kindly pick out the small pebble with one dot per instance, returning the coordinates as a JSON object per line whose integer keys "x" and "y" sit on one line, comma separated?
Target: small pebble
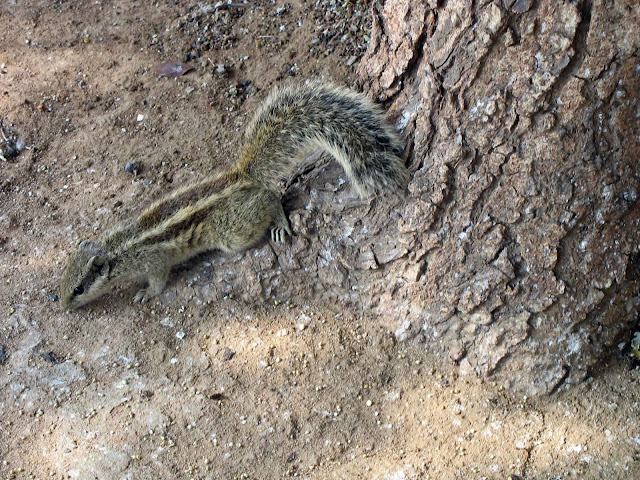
{"x": 133, "y": 168}
{"x": 12, "y": 149}
{"x": 228, "y": 354}
{"x": 50, "y": 357}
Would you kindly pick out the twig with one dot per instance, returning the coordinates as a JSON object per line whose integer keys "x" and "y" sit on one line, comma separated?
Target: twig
{"x": 2, "y": 131}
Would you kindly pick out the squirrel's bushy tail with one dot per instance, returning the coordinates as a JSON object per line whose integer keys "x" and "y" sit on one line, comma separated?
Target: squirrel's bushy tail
{"x": 296, "y": 120}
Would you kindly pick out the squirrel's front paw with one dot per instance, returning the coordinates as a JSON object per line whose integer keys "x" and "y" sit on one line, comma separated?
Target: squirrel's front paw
{"x": 144, "y": 295}
{"x": 155, "y": 288}
{"x": 141, "y": 296}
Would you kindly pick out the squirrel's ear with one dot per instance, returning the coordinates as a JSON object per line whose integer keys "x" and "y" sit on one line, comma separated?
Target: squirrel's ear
{"x": 99, "y": 264}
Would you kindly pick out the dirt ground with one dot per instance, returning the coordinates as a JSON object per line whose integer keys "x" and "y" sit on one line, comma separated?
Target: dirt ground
{"x": 196, "y": 385}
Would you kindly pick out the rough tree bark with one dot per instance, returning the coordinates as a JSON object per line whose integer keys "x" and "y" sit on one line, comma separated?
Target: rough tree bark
{"x": 517, "y": 252}
{"x": 524, "y": 209}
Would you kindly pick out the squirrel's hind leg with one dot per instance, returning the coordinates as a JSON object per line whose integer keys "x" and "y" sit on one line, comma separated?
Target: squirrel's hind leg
{"x": 280, "y": 225}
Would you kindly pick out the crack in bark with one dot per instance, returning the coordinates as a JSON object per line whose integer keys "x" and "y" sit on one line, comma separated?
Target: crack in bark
{"x": 480, "y": 202}
{"x": 580, "y": 52}
{"x": 482, "y": 61}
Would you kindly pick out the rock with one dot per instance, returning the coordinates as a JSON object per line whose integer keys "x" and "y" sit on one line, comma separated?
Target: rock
{"x": 133, "y": 168}
{"x": 50, "y": 357}
{"x": 228, "y": 354}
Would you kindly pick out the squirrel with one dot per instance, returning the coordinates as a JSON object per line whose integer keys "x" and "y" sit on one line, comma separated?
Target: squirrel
{"x": 233, "y": 210}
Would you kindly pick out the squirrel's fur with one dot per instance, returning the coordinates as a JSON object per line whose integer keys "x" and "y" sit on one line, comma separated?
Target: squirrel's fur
{"x": 232, "y": 211}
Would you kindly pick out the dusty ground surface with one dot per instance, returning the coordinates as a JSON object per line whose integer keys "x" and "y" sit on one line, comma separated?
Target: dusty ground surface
{"x": 200, "y": 384}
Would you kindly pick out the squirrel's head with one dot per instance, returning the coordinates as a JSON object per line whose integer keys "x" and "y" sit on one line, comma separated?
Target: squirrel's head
{"x": 86, "y": 276}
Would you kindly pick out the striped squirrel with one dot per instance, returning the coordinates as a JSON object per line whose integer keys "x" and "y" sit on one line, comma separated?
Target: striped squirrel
{"x": 233, "y": 210}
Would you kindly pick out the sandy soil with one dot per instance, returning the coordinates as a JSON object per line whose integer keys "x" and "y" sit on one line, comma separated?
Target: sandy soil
{"x": 197, "y": 385}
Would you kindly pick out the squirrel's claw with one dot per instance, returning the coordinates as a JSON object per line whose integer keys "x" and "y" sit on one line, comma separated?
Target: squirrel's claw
{"x": 140, "y": 296}
{"x": 279, "y": 234}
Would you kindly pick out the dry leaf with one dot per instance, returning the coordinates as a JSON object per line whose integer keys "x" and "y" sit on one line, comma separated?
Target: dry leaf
{"x": 172, "y": 69}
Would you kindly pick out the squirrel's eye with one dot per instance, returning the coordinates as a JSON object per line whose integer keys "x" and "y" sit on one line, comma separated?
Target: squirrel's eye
{"x": 79, "y": 290}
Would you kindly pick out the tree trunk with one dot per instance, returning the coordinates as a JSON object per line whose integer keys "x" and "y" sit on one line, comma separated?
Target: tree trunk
{"x": 523, "y": 219}
{"x": 516, "y": 253}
